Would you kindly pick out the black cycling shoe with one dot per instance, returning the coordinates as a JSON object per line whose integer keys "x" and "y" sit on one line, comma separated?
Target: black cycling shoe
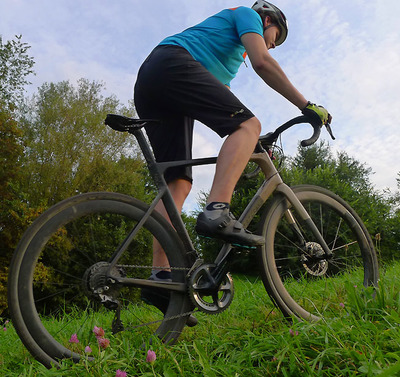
{"x": 228, "y": 229}
{"x": 160, "y": 299}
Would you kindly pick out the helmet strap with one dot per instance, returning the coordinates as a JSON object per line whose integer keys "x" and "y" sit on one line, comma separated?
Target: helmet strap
{"x": 270, "y": 25}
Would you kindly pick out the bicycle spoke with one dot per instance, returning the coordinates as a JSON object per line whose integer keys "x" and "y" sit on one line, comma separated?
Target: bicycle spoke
{"x": 306, "y": 283}
{"x": 66, "y": 271}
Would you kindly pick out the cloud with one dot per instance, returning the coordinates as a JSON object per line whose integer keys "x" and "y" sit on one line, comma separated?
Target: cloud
{"x": 344, "y": 55}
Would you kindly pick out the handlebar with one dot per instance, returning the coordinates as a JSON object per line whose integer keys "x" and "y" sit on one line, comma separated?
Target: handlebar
{"x": 266, "y": 141}
{"x": 270, "y": 138}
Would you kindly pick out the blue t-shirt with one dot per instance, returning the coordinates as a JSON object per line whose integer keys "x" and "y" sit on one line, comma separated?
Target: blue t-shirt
{"x": 215, "y": 42}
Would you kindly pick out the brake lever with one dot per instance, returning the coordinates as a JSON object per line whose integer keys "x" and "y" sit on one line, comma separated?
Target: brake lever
{"x": 329, "y": 129}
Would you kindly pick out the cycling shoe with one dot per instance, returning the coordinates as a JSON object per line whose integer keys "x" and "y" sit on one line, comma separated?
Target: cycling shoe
{"x": 228, "y": 229}
{"x": 160, "y": 299}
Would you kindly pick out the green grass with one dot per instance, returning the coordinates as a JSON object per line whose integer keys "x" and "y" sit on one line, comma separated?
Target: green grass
{"x": 252, "y": 338}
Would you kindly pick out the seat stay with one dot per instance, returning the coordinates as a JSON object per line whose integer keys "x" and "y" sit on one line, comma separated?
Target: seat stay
{"x": 132, "y": 234}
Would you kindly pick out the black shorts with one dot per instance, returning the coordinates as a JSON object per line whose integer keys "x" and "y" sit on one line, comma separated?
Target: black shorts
{"x": 175, "y": 88}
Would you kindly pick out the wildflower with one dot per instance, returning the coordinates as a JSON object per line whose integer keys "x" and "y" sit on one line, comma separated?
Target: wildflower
{"x": 341, "y": 305}
{"x": 151, "y": 356}
{"x": 120, "y": 373}
{"x": 74, "y": 339}
{"x": 293, "y": 333}
{"x": 103, "y": 342}
{"x": 4, "y": 328}
{"x": 98, "y": 331}
{"x": 88, "y": 349}
{"x": 7, "y": 322}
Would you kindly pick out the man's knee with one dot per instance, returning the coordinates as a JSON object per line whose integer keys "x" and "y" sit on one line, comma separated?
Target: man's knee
{"x": 180, "y": 188}
{"x": 252, "y": 125}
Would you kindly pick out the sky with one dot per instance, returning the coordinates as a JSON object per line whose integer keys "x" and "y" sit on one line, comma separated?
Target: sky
{"x": 344, "y": 55}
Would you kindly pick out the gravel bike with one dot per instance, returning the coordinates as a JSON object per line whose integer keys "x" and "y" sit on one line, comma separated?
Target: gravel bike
{"x": 84, "y": 262}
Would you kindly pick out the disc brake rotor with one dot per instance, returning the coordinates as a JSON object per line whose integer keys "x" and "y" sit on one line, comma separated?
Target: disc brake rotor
{"x": 312, "y": 261}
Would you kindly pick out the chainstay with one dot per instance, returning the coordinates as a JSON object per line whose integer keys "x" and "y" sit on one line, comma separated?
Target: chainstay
{"x": 164, "y": 319}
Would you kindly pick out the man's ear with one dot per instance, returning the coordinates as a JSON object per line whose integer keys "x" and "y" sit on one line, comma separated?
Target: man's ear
{"x": 267, "y": 21}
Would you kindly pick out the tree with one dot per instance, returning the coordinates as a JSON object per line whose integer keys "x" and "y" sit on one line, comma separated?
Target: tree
{"x": 313, "y": 157}
{"x": 350, "y": 179}
{"x": 69, "y": 149}
{"x": 15, "y": 66}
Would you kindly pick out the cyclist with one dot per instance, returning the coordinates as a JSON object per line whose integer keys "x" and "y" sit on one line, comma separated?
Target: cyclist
{"x": 186, "y": 78}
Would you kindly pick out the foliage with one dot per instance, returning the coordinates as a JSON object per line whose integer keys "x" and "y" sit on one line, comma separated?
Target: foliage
{"x": 15, "y": 66}
{"x": 65, "y": 149}
{"x": 350, "y": 179}
{"x": 69, "y": 149}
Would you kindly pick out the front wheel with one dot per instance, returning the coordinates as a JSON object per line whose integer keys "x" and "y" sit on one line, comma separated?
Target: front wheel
{"x": 60, "y": 290}
{"x": 300, "y": 280}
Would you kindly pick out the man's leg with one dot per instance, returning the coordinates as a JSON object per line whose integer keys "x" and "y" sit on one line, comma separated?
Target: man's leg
{"x": 232, "y": 159}
{"x": 216, "y": 221}
{"x": 180, "y": 189}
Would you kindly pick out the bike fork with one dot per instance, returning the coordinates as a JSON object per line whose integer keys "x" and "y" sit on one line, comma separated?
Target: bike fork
{"x": 300, "y": 210}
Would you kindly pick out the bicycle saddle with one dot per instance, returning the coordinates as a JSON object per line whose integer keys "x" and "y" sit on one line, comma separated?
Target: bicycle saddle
{"x": 123, "y": 123}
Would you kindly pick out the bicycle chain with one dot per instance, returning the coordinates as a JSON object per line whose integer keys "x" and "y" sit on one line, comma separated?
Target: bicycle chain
{"x": 153, "y": 267}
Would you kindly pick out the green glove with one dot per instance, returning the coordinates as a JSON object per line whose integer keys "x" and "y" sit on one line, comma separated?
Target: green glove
{"x": 317, "y": 113}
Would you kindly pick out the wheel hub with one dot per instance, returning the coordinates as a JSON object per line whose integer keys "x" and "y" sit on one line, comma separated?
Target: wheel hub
{"x": 207, "y": 298}
{"x": 99, "y": 287}
{"x": 312, "y": 259}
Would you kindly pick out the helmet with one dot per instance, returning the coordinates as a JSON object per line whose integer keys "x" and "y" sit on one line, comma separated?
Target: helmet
{"x": 264, "y": 8}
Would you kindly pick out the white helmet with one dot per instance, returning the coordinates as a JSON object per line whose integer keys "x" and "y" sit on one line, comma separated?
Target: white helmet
{"x": 264, "y": 8}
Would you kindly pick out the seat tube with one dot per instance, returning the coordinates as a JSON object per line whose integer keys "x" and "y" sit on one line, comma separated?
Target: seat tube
{"x": 162, "y": 186}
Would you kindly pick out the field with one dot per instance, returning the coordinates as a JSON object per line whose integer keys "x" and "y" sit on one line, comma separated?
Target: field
{"x": 251, "y": 338}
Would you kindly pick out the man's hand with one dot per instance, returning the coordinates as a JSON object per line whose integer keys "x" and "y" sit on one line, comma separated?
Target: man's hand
{"x": 317, "y": 113}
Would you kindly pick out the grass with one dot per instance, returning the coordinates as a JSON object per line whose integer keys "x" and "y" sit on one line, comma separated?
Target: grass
{"x": 251, "y": 338}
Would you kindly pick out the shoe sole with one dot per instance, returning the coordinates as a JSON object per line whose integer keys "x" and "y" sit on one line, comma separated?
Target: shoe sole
{"x": 191, "y": 320}
{"x": 248, "y": 247}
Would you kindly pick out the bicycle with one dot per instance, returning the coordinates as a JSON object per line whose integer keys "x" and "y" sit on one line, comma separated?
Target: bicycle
{"x": 99, "y": 245}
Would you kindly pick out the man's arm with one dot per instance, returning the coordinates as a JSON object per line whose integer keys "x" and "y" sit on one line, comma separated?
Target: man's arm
{"x": 269, "y": 69}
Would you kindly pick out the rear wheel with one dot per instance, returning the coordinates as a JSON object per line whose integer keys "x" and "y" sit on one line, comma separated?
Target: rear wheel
{"x": 60, "y": 286}
{"x": 296, "y": 275}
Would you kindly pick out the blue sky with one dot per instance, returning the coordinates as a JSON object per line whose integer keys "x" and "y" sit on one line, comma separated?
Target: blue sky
{"x": 344, "y": 55}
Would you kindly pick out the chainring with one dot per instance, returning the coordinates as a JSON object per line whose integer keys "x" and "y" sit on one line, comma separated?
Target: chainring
{"x": 207, "y": 301}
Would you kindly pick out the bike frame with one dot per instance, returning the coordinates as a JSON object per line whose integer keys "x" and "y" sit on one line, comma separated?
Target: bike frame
{"x": 272, "y": 183}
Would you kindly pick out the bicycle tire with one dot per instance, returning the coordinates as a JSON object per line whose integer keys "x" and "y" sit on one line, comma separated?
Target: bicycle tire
{"x": 64, "y": 253}
{"x": 292, "y": 276}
